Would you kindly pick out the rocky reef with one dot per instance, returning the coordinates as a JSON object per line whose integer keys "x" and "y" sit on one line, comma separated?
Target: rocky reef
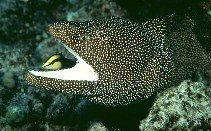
{"x": 25, "y": 43}
{"x": 186, "y": 107}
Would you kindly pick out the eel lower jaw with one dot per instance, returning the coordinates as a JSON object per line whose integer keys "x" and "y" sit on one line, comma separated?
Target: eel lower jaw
{"x": 81, "y": 71}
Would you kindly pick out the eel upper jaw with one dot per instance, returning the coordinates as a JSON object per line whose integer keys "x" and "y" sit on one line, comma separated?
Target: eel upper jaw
{"x": 81, "y": 71}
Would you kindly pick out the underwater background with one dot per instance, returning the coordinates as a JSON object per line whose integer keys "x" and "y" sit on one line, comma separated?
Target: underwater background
{"x": 26, "y": 43}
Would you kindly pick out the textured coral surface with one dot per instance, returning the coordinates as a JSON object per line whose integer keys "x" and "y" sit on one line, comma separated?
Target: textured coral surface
{"x": 186, "y": 107}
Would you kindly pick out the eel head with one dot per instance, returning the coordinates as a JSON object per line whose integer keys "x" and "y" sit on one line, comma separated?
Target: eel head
{"x": 115, "y": 58}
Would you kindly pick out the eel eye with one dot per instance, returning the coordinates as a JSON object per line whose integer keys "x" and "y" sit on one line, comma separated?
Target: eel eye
{"x": 84, "y": 37}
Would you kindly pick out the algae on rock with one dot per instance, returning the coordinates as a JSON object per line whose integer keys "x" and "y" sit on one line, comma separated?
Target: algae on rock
{"x": 186, "y": 107}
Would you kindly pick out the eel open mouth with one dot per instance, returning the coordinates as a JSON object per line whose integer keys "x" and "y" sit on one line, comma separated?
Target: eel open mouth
{"x": 81, "y": 71}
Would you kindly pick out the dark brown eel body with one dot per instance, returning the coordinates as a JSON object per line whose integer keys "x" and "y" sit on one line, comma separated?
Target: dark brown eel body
{"x": 133, "y": 61}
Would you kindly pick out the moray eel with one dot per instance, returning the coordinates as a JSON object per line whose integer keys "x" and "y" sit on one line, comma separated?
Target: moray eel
{"x": 120, "y": 62}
